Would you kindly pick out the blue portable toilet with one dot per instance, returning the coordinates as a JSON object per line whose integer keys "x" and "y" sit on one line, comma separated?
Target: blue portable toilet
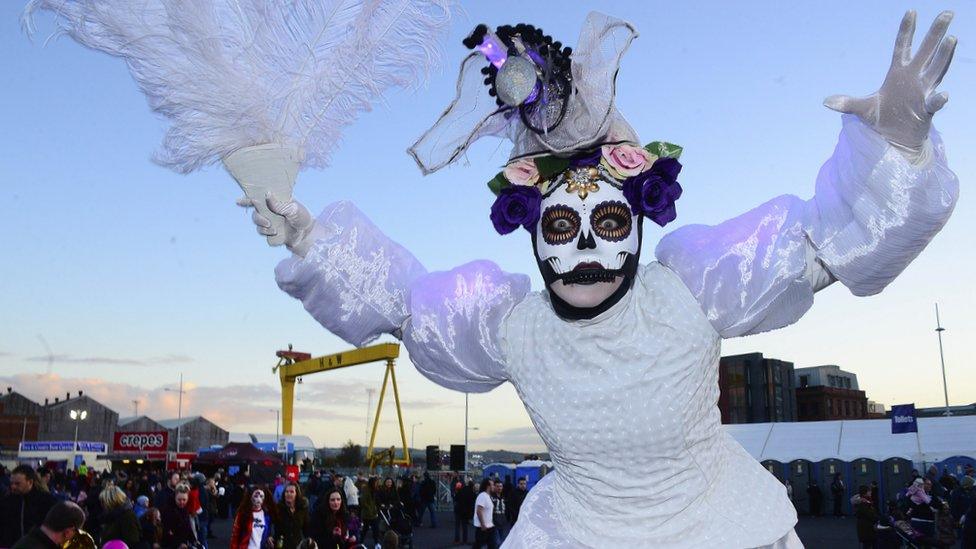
{"x": 896, "y": 473}
{"x": 775, "y": 468}
{"x": 864, "y": 471}
{"x": 955, "y": 465}
{"x": 499, "y": 471}
{"x": 800, "y": 475}
{"x": 532, "y": 471}
{"x": 826, "y": 470}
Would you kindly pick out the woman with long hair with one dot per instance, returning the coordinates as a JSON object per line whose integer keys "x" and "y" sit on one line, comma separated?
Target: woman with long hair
{"x": 118, "y": 519}
{"x": 292, "y": 517}
{"x": 254, "y": 524}
{"x": 332, "y": 523}
{"x": 388, "y": 496}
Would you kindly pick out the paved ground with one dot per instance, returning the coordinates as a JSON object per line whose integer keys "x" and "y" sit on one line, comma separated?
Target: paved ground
{"x": 816, "y": 533}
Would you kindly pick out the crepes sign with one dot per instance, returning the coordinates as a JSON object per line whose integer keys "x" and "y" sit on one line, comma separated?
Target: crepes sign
{"x": 140, "y": 442}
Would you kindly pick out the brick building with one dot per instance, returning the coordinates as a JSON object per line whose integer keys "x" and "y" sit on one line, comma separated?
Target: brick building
{"x": 20, "y": 419}
{"x": 828, "y": 393}
{"x": 755, "y": 389}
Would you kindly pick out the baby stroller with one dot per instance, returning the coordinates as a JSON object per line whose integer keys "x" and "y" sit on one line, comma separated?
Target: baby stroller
{"x": 393, "y": 518}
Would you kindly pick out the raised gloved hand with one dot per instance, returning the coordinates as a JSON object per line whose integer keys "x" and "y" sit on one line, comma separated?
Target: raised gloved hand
{"x": 297, "y": 227}
{"x": 901, "y": 111}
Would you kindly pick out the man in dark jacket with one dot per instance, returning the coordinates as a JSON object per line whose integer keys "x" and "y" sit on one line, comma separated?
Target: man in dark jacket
{"x": 463, "y": 510}
{"x": 24, "y": 508}
{"x": 60, "y": 524}
{"x": 515, "y": 499}
{"x": 428, "y": 493}
{"x": 165, "y": 497}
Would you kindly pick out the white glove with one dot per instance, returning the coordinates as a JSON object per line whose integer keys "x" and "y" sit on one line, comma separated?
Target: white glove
{"x": 297, "y": 227}
{"x": 901, "y": 111}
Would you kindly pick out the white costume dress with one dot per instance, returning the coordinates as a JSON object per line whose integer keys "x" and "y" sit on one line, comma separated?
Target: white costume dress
{"x": 626, "y": 401}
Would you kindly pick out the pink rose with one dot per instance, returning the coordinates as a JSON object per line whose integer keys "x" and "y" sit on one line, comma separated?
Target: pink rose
{"x": 522, "y": 172}
{"x": 623, "y": 161}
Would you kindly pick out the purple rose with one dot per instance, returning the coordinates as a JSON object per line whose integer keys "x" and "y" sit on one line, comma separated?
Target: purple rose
{"x": 654, "y": 192}
{"x": 516, "y": 205}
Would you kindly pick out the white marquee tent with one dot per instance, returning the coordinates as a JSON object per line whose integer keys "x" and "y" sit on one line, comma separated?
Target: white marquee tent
{"x": 938, "y": 438}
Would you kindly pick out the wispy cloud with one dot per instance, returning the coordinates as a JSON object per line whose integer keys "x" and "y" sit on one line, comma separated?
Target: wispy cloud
{"x": 516, "y": 438}
{"x": 109, "y": 360}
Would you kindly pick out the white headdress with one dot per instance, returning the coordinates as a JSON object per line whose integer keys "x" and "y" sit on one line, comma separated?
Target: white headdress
{"x": 568, "y": 110}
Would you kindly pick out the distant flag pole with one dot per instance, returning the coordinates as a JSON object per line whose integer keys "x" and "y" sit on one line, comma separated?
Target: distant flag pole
{"x": 945, "y": 386}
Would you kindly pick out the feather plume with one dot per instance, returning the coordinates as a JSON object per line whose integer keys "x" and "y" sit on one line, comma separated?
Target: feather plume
{"x": 230, "y": 74}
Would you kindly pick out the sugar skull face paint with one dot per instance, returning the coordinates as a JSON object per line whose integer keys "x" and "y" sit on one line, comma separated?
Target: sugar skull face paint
{"x": 257, "y": 499}
{"x": 584, "y": 239}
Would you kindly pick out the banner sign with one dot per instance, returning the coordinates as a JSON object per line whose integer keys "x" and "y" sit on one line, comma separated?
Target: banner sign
{"x": 64, "y": 446}
{"x": 275, "y": 448}
{"x": 140, "y": 442}
{"x": 903, "y": 419}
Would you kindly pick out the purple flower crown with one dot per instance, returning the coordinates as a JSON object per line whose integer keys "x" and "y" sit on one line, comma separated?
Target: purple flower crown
{"x": 648, "y": 176}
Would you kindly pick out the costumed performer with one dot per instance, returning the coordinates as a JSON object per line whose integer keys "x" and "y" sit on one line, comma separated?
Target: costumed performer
{"x": 617, "y": 362}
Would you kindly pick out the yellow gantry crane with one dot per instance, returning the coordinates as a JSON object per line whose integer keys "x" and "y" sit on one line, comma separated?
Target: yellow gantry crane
{"x": 293, "y": 365}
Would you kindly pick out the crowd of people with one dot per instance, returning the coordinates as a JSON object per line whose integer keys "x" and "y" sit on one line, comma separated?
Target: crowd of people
{"x": 146, "y": 509}
{"x": 155, "y": 509}
{"x": 929, "y": 511}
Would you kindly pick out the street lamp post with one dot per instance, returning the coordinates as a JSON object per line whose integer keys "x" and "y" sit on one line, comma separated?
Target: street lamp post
{"x": 277, "y": 413}
{"x": 179, "y": 416}
{"x": 77, "y": 416}
{"x": 945, "y": 387}
{"x": 465, "y": 432}
{"x": 413, "y": 430}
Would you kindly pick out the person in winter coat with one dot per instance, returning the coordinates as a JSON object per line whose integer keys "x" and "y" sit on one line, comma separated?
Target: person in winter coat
{"x": 388, "y": 495}
{"x": 921, "y": 506}
{"x": 332, "y": 525}
{"x": 292, "y": 519}
{"x": 351, "y": 492}
{"x": 177, "y": 523}
{"x": 867, "y": 517}
{"x": 151, "y": 529}
{"x": 141, "y": 506}
{"x": 254, "y": 521}
{"x": 968, "y": 539}
{"x": 405, "y": 491}
{"x": 517, "y": 496}
{"x": 118, "y": 519}
{"x": 24, "y": 507}
{"x": 428, "y": 494}
{"x": 369, "y": 511}
{"x": 962, "y": 497}
{"x": 815, "y": 495}
{"x": 837, "y": 490}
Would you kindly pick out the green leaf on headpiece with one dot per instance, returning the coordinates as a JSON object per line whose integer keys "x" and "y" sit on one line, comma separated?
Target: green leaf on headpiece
{"x": 550, "y": 166}
{"x": 662, "y": 149}
{"x": 498, "y": 183}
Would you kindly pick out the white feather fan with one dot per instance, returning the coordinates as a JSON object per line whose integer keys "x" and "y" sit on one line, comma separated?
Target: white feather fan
{"x": 231, "y": 74}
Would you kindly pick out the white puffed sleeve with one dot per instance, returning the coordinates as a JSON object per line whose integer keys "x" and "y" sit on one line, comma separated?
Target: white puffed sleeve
{"x": 354, "y": 280}
{"x": 873, "y": 212}
{"x": 455, "y": 317}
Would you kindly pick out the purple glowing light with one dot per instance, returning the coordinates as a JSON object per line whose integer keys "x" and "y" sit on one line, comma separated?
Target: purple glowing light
{"x": 494, "y": 50}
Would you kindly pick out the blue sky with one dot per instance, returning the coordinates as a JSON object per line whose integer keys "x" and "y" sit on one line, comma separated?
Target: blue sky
{"x": 132, "y": 273}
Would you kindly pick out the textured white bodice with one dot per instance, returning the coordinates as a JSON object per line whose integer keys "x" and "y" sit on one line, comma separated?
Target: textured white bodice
{"x": 627, "y": 405}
